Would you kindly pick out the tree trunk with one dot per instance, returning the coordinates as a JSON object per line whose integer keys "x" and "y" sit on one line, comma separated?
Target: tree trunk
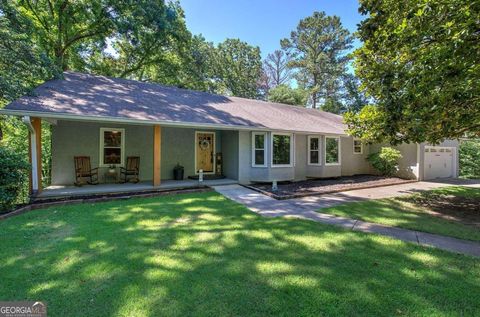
{"x": 314, "y": 94}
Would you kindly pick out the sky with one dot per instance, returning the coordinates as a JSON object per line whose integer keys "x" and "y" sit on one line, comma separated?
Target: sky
{"x": 260, "y": 23}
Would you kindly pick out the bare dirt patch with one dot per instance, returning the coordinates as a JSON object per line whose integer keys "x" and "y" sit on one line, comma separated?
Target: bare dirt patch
{"x": 287, "y": 190}
{"x": 465, "y": 210}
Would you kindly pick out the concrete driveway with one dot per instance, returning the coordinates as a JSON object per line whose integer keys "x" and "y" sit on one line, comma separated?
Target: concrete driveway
{"x": 307, "y": 208}
{"x": 324, "y": 201}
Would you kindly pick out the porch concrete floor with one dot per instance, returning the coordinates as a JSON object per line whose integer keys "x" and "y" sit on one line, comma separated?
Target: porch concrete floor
{"x": 69, "y": 191}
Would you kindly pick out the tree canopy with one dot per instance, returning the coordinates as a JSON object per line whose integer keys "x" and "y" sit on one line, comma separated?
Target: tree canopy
{"x": 319, "y": 48}
{"x": 238, "y": 68}
{"x": 288, "y": 95}
{"x": 420, "y": 62}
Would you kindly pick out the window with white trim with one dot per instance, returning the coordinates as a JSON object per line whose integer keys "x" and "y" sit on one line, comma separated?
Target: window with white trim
{"x": 357, "y": 146}
{"x": 112, "y": 146}
{"x": 258, "y": 149}
{"x": 313, "y": 150}
{"x": 332, "y": 151}
{"x": 282, "y": 149}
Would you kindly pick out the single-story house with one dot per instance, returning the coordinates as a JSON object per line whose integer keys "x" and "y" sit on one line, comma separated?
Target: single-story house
{"x": 243, "y": 140}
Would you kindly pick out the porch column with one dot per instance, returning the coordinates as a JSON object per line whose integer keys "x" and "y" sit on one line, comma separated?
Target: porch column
{"x": 35, "y": 153}
{"x": 157, "y": 154}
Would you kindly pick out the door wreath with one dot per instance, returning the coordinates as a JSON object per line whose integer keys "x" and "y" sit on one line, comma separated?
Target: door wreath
{"x": 204, "y": 144}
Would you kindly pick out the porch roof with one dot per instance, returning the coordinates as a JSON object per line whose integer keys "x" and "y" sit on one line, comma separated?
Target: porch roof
{"x": 81, "y": 96}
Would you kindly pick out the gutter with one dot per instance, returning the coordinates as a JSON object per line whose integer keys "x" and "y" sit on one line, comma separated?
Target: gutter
{"x": 150, "y": 122}
{"x": 33, "y": 152}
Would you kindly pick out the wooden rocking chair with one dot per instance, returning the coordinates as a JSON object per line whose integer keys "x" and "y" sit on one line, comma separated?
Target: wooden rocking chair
{"x": 131, "y": 170}
{"x": 83, "y": 170}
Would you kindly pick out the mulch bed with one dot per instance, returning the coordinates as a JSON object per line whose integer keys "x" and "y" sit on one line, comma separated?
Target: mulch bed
{"x": 98, "y": 198}
{"x": 311, "y": 187}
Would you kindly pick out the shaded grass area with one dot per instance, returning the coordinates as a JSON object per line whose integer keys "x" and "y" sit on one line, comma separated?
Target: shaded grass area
{"x": 201, "y": 254}
{"x": 451, "y": 211}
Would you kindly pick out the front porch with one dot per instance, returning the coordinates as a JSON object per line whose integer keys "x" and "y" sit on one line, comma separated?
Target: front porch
{"x": 107, "y": 147}
{"x": 60, "y": 192}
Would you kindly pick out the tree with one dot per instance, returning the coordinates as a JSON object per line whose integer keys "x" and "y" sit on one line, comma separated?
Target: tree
{"x": 22, "y": 64}
{"x": 276, "y": 68}
{"x": 275, "y": 72}
{"x": 237, "y": 68}
{"x": 286, "y": 94}
{"x": 318, "y": 48}
{"x": 154, "y": 45}
{"x": 469, "y": 154}
{"x": 13, "y": 174}
{"x": 333, "y": 105}
{"x": 70, "y": 30}
{"x": 420, "y": 63}
{"x": 354, "y": 97}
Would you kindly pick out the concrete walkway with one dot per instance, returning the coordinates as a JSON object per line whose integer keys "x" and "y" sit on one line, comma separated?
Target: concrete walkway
{"x": 306, "y": 208}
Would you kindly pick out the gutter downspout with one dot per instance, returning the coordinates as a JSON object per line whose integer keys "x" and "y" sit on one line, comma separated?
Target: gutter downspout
{"x": 33, "y": 150}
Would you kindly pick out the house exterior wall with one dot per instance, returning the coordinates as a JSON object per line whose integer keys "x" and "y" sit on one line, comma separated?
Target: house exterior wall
{"x": 230, "y": 148}
{"x": 301, "y": 157}
{"x": 411, "y": 165}
{"x": 350, "y": 163}
{"x": 353, "y": 163}
{"x": 73, "y": 138}
{"x": 249, "y": 173}
{"x": 408, "y": 165}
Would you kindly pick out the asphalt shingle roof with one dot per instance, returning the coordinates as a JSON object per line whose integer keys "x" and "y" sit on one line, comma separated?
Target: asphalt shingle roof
{"x": 84, "y": 95}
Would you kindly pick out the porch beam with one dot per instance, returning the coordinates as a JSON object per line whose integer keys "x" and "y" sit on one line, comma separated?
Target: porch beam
{"x": 157, "y": 154}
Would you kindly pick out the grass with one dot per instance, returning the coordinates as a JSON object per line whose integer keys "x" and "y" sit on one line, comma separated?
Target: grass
{"x": 404, "y": 212}
{"x": 203, "y": 255}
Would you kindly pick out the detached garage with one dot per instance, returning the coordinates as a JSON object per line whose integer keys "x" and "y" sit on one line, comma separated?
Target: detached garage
{"x": 428, "y": 162}
{"x": 439, "y": 162}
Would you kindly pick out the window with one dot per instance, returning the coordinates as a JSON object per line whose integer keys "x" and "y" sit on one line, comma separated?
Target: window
{"x": 258, "y": 149}
{"x": 332, "y": 151}
{"x": 282, "y": 149}
{"x": 357, "y": 147}
{"x": 112, "y": 146}
{"x": 314, "y": 150}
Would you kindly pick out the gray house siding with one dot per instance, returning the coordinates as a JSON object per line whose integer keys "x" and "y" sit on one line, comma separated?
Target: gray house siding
{"x": 73, "y": 138}
{"x": 249, "y": 173}
{"x": 353, "y": 163}
{"x": 300, "y": 157}
{"x": 411, "y": 165}
{"x": 321, "y": 170}
{"x": 408, "y": 164}
{"x": 230, "y": 148}
{"x": 178, "y": 146}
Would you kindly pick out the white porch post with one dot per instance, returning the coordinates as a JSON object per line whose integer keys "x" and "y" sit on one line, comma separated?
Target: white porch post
{"x": 34, "y": 127}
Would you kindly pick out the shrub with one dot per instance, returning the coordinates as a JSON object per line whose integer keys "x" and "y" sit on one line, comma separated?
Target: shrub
{"x": 469, "y": 156}
{"x": 13, "y": 176}
{"x": 385, "y": 161}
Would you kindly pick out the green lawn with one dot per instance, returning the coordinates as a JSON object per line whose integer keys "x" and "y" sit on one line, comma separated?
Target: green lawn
{"x": 201, "y": 254}
{"x": 405, "y": 212}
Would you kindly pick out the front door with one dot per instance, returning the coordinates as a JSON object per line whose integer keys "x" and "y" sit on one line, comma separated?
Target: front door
{"x": 205, "y": 145}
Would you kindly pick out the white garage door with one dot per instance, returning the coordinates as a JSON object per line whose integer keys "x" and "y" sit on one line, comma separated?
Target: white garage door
{"x": 438, "y": 162}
